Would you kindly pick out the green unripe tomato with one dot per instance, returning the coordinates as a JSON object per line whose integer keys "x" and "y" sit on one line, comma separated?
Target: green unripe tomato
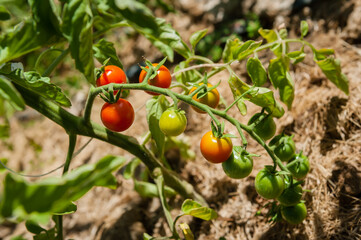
{"x": 294, "y": 214}
{"x": 269, "y": 185}
{"x": 299, "y": 170}
{"x": 283, "y": 146}
{"x": 291, "y": 195}
{"x": 265, "y": 128}
{"x": 172, "y": 122}
{"x": 238, "y": 165}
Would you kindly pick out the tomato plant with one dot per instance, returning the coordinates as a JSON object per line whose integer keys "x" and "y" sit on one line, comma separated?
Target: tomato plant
{"x": 118, "y": 116}
{"x": 294, "y": 214}
{"x": 80, "y": 32}
{"x": 266, "y": 128}
{"x": 239, "y": 164}
{"x": 172, "y": 122}
{"x": 211, "y": 99}
{"x": 269, "y": 185}
{"x": 214, "y": 149}
{"x": 299, "y": 166}
{"x": 163, "y": 79}
{"x": 283, "y": 146}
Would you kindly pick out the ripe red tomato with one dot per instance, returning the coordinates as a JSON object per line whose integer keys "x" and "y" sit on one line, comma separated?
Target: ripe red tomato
{"x": 215, "y": 150}
{"x": 211, "y": 99}
{"x": 117, "y": 116}
{"x": 162, "y": 80}
{"x": 111, "y": 74}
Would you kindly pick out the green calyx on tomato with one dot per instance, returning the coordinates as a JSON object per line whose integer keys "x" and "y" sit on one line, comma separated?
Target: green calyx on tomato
{"x": 294, "y": 214}
{"x": 118, "y": 116}
{"x": 265, "y": 128}
{"x": 163, "y": 78}
{"x": 211, "y": 99}
{"x": 215, "y": 149}
{"x": 269, "y": 184}
{"x": 299, "y": 166}
{"x": 239, "y": 164}
{"x": 283, "y": 146}
{"x": 291, "y": 195}
{"x": 172, "y": 122}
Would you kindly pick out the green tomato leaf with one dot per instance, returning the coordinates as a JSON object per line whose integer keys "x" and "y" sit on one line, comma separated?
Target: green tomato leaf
{"x": 195, "y": 209}
{"x": 4, "y": 14}
{"x": 146, "y": 189}
{"x": 40, "y": 30}
{"x": 269, "y": 35}
{"x": 196, "y": 37}
{"x": 77, "y": 28}
{"x": 156, "y": 30}
{"x": 155, "y": 108}
{"x": 37, "y": 201}
{"x": 304, "y": 28}
{"x": 9, "y": 93}
{"x": 283, "y": 33}
{"x": 242, "y": 107}
{"x": 34, "y": 227}
{"x": 48, "y": 235}
{"x": 40, "y": 85}
{"x": 280, "y": 78}
{"x": 146, "y": 236}
{"x": 297, "y": 56}
{"x": 104, "y": 50}
{"x": 256, "y": 71}
{"x": 264, "y": 97}
{"x": 130, "y": 168}
{"x": 188, "y": 76}
{"x": 321, "y": 54}
{"x": 246, "y": 49}
{"x": 229, "y": 48}
{"x": 332, "y": 69}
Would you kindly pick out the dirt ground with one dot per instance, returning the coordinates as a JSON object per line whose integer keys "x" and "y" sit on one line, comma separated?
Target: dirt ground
{"x": 325, "y": 122}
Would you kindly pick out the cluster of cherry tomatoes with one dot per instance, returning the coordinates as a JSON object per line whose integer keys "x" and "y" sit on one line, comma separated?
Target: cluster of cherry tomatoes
{"x": 236, "y": 161}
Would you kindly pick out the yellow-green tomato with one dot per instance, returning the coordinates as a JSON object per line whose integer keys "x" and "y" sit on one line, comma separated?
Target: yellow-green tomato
{"x": 238, "y": 165}
{"x": 172, "y": 122}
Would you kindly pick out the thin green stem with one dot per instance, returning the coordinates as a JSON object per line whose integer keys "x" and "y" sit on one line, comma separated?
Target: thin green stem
{"x": 55, "y": 63}
{"x": 69, "y": 156}
{"x": 89, "y": 104}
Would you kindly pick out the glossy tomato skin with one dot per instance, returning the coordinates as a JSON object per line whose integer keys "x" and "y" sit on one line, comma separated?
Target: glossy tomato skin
{"x": 238, "y": 165}
{"x": 215, "y": 150}
{"x": 111, "y": 74}
{"x": 266, "y": 128}
{"x": 117, "y": 116}
{"x": 299, "y": 170}
{"x": 294, "y": 214}
{"x": 162, "y": 80}
{"x": 283, "y": 146}
{"x": 211, "y": 99}
{"x": 291, "y": 195}
{"x": 269, "y": 185}
{"x": 172, "y": 122}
